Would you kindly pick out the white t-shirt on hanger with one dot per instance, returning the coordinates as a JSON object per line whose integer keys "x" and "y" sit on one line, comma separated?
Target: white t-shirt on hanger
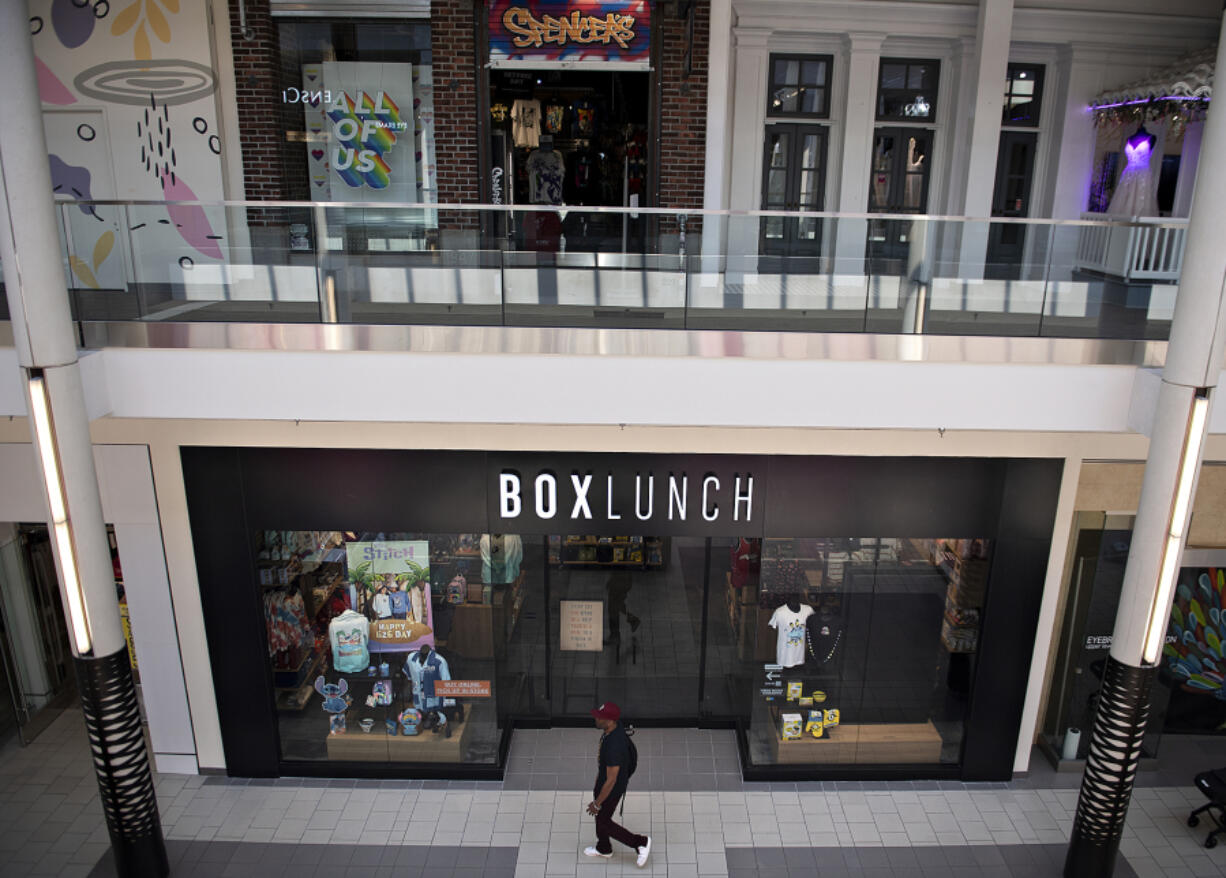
{"x": 790, "y": 647}
{"x": 526, "y": 122}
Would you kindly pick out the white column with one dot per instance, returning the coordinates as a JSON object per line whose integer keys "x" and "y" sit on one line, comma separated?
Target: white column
{"x": 1074, "y": 131}
{"x": 748, "y": 119}
{"x": 1069, "y": 184}
{"x": 992, "y": 39}
{"x": 864, "y": 58}
{"x": 719, "y": 90}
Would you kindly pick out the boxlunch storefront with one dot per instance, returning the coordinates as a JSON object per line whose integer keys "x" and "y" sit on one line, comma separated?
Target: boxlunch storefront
{"x": 399, "y": 613}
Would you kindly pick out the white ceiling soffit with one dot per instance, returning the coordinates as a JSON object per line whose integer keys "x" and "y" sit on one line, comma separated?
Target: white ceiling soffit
{"x": 352, "y": 8}
{"x": 1190, "y": 77}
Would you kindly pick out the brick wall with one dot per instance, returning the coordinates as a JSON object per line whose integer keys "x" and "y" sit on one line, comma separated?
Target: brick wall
{"x": 683, "y": 116}
{"x": 257, "y": 93}
{"x": 452, "y": 46}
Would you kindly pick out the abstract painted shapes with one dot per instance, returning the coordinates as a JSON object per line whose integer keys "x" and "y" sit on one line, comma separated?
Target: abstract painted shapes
{"x": 170, "y": 82}
{"x": 50, "y": 89}
{"x": 87, "y": 272}
{"x": 130, "y": 19}
{"x": 190, "y": 219}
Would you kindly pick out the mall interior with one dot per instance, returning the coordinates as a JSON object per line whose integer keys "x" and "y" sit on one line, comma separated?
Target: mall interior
{"x": 832, "y": 379}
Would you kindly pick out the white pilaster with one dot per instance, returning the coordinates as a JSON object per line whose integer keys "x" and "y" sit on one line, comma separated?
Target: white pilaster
{"x": 749, "y": 116}
{"x": 863, "y": 59}
{"x": 992, "y": 38}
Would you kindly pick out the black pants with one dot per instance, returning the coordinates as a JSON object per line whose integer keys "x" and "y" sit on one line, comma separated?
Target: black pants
{"x": 606, "y": 829}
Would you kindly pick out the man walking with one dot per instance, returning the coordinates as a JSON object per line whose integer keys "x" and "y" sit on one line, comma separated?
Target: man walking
{"x": 614, "y": 767}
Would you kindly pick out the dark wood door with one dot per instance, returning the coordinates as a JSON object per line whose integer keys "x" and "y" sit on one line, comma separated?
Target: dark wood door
{"x": 1011, "y": 198}
{"x": 793, "y": 179}
{"x": 898, "y": 183}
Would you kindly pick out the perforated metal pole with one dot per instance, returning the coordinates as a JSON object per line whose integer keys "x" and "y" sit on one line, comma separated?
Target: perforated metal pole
{"x": 44, "y": 336}
{"x": 1189, "y": 381}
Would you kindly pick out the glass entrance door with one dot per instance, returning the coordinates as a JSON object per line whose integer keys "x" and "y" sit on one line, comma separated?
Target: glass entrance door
{"x": 1014, "y": 176}
{"x": 898, "y": 183}
{"x": 628, "y": 624}
{"x": 794, "y": 173}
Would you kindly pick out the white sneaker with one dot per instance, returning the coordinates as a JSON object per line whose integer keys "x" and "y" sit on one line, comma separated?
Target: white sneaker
{"x": 644, "y": 853}
{"x": 592, "y": 852}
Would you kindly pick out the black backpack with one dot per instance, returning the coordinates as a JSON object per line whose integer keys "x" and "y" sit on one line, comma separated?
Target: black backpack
{"x": 633, "y": 764}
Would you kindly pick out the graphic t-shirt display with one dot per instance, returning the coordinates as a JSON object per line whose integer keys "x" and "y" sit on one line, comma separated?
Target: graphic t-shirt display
{"x": 790, "y": 646}
{"x": 546, "y": 171}
{"x": 349, "y": 634}
{"x": 424, "y": 672}
{"x": 526, "y": 122}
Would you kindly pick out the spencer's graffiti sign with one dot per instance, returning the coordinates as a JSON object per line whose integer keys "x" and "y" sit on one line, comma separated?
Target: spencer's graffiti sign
{"x": 579, "y": 30}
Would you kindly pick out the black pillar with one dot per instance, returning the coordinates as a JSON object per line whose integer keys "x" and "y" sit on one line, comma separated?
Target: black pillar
{"x": 125, "y": 781}
{"x": 1111, "y": 768}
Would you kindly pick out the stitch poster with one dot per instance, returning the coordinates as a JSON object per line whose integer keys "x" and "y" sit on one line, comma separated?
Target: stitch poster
{"x": 579, "y": 30}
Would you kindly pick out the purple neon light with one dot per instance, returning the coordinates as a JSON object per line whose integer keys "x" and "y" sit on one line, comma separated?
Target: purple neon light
{"x": 1146, "y": 101}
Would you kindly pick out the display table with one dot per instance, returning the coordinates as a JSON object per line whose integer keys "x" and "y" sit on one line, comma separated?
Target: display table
{"x": 902, "y": 743}
{"x": 377, "y": 746}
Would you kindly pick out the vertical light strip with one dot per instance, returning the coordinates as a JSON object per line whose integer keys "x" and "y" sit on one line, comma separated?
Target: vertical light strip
{"x": 1181, "y": 509}
{"x": 48, "y": 449}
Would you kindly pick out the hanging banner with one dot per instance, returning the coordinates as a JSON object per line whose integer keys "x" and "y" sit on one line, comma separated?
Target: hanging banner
{"x": 570, "y": 31}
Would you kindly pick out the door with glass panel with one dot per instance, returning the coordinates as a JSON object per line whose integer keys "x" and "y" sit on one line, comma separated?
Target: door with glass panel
{"x": 1011, "y": 198}
{"x": 794, "y": 173}
{"x": 898, "y": 183}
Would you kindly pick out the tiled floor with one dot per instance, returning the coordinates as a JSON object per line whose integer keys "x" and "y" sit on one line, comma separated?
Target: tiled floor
{"x": 223, "y": 827}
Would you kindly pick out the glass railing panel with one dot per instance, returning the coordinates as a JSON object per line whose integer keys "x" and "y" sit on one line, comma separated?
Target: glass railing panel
{"x": 1113, "y": 280}
{"x": 205, "y": 263}
{"x": 620, "y": 268}
{"x": 575, "y": 267}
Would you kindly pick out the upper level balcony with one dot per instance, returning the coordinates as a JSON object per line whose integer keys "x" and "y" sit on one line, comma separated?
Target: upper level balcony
{"x": 354, "y": 263}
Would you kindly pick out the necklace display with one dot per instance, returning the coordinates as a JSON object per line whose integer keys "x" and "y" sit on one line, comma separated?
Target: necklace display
{"x": 829, "y": 655}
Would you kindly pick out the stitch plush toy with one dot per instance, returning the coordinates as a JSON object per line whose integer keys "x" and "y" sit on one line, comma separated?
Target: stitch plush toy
{"x": 336, "y": 702}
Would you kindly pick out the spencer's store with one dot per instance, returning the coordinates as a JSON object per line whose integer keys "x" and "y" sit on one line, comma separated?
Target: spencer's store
{"x": 570, "y": 112}
{"x": 400, "y": 613}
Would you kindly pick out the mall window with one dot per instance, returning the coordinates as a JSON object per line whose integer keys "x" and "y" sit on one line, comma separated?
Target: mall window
{"x": 862, "y": 651}
{"x": 1023, "y": 95}
{"x": 382, "y": 646}
{"x": 799, "y": 86}
{"x": 356, "y": 123}
{"x": 907, "y": 90}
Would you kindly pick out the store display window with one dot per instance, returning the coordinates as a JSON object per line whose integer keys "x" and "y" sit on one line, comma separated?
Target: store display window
{"x": 799, "y": 86}
{"x": 381, "y": 646}
{"x": 356, "y": 109}
{"x": 861, "y": 651}
{"x": 907, "y": 90}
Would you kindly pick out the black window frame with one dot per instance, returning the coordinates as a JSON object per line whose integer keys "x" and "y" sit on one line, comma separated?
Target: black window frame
{"x": 1039, "y": 71}
{"x": 883, "y": 92}
{"x": 773, "y": 85}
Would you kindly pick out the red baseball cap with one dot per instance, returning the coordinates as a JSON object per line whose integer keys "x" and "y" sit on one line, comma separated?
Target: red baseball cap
{"x": 608, "y": 710}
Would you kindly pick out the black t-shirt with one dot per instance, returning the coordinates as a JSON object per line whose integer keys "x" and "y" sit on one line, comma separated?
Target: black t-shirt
{"x": 614, "y": 750}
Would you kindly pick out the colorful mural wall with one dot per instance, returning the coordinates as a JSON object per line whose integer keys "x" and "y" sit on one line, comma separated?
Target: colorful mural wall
{"x": 130, "y": 113}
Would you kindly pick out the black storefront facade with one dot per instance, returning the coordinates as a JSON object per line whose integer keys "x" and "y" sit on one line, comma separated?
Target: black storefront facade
{"x": 375, "y": 613}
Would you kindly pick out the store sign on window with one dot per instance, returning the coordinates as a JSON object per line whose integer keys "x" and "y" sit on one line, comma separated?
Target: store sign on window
{"x": 580, "y": 30}
{"x": 359, "y": 130}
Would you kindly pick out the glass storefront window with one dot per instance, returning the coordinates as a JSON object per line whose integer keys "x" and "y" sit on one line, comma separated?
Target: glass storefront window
{"x": 357, "y": 114}
{"x": 382, "y": 647}
{"x": 857, "y": 651}
{"x": 799, "y": 86}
